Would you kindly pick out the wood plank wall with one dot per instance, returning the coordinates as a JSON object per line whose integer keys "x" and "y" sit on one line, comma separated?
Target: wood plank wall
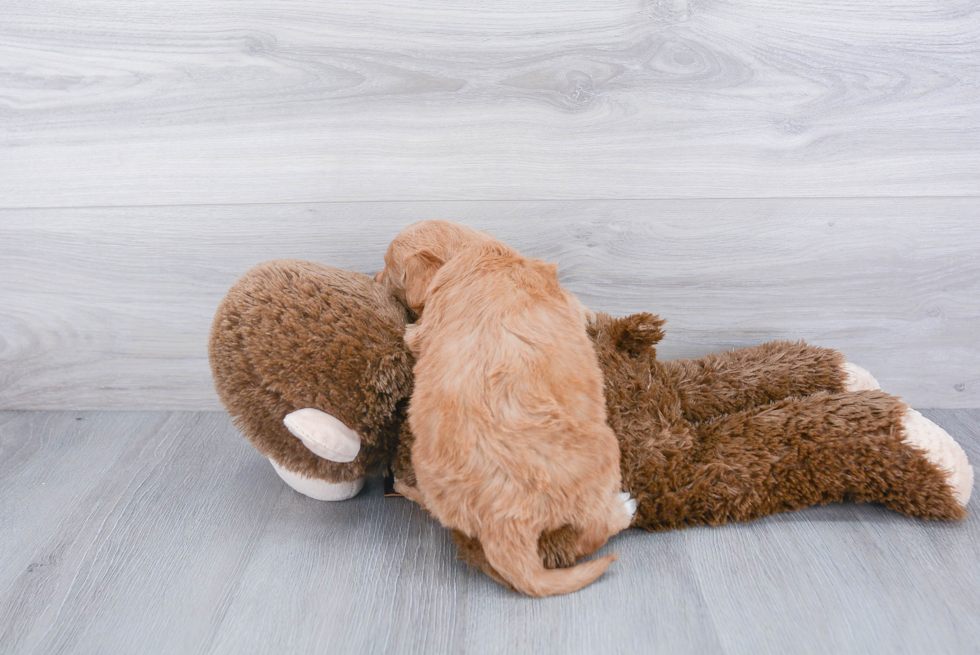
{"x": 750, "y": 170}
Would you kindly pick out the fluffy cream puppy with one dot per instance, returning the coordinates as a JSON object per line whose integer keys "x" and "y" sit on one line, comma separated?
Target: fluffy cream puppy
{"x": 508, "y": 411}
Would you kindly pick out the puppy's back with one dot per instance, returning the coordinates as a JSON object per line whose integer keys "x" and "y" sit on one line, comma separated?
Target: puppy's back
{"x": 509, "y": 336}
{"x": 508, "y": 380}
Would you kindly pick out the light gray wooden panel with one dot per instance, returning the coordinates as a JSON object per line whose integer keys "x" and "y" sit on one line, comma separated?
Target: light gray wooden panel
{"x": 380, "y": 576}
{"x": 111, "y": 102}
{"x": 140, "y": 554}
{"x": 65, "y": 457}
{"x": 110, "y": 308}
{"x": 853, "y": 579}
{"x": 168, "y": 534}
{"x": 369, "y": 575}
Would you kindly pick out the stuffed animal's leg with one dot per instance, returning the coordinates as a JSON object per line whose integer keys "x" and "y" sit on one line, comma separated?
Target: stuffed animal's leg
{"x": 862, "y": 446}
{"x": 728, "y": 382}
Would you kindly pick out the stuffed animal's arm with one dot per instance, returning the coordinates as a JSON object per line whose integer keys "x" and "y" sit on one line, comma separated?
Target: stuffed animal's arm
{"x": 738, "y": 379}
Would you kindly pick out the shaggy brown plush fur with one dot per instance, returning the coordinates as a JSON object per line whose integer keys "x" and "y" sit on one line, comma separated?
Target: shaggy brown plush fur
{"x": 727, "y": 437}
{"x": 293, "y": 334}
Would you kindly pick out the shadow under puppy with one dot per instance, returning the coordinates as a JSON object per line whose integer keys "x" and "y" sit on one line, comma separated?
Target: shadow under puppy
{"x": 508, "y": 412}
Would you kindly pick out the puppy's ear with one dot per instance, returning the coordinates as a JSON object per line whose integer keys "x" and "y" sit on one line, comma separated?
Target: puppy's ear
{"x": 413, "y": 338}
{"x": 420, "y": 268}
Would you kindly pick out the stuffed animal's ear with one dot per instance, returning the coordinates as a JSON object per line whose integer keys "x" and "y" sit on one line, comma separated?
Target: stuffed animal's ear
{"x": 639, "y": 332}
{"x": 420, "y": 268}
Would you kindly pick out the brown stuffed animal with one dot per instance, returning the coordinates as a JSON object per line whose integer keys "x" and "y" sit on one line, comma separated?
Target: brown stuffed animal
{"x": 309, "y": 361}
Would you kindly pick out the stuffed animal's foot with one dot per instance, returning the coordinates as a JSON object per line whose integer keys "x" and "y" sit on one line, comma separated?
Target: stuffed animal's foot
{"x": 942, "y": 451}
{"x": 858, "y": 379}
{"x": 939, "y": 447}
{"x": 323, "y": 435}
{"x": 319, "y": 489}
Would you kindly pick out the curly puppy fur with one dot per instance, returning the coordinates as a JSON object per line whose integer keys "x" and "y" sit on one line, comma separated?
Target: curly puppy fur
{"x": 508, "y": 412}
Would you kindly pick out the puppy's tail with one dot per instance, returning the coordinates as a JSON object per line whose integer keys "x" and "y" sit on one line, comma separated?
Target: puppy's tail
{"x": 513, "y": 552}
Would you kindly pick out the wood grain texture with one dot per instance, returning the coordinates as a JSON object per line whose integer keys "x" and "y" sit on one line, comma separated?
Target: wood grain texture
{"x": 164, "y": 532}
{"x": 137, "y": 542}
{"x": 111, "y": 103}
{"x": 110, "y": 308}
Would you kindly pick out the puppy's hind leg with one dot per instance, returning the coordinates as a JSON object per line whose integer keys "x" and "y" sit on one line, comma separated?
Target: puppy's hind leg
{"x": 618, "y": 516}
{"x": 624, "y": 509}
{"x": 511, "y": 549}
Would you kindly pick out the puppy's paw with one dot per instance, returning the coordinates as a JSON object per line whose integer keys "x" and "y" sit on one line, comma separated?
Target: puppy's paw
{"x": 627, "y": 507}
{"x": 858, "y": 379}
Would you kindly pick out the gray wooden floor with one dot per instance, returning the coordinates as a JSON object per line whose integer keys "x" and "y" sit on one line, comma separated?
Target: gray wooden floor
{"x": 139, "y": 532}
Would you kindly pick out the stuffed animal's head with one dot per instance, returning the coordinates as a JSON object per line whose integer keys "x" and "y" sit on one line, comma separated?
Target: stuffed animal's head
{"x": 293, "y": 335}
